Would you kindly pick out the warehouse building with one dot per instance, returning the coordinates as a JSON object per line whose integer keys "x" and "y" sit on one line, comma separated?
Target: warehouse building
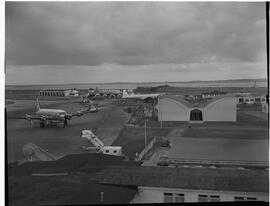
{"x": 176, "y": 108}
{"x": 59, "y": 93}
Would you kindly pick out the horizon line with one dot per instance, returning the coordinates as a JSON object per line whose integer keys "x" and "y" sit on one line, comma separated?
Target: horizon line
{"x": 192, "y": 81}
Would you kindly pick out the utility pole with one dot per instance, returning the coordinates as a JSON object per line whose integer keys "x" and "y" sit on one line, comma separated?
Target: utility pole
{"x": 101, "y": 196}
{"x": 145, "y": 136}
{"x": 160, "y": 112}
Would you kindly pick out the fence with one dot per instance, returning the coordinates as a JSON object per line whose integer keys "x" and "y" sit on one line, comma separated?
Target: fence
{"x": 217, "y": 162}
{"x": 146, "y": 149}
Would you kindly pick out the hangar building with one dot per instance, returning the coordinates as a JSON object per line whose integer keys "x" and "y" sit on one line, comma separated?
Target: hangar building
{"x": 59, "y": 93}
{"x": 176, "y": 108}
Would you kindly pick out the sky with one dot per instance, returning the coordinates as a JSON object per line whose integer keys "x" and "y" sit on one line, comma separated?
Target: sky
{"x": 97, "y": 42}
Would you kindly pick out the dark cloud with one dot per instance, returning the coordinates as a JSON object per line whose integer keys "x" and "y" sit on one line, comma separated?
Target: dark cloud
{"x": 133, "y": 33}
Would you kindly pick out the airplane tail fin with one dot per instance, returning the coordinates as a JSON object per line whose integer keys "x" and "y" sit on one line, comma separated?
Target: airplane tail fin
{"x": 38, "y": 106}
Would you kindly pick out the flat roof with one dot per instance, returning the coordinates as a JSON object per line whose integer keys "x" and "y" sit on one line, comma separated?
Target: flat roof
{"x": 227, "y": 149}
{"x": 246, "y": 180}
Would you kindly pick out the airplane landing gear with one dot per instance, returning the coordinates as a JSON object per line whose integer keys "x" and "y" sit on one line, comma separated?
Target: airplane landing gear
{"x": 42, "y": 125}
{"x": 65, "y": 123}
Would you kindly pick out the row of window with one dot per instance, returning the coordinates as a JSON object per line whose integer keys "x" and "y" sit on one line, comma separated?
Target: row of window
{"x": 107, "y": 151}
{"x": 252, "y": 100}
{"x": 180, "y": 197}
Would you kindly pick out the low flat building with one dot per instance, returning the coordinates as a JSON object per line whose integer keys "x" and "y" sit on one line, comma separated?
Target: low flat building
{"x": 251, "y": 99}
{"x": 175, "y": 108}
{"x": 165, "y": 184}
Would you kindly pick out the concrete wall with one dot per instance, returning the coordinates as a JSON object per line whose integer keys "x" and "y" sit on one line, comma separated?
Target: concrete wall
{"x": 221, "y": 110}
{"x": 171, "y": 110}
{"x": 156, "y": 195}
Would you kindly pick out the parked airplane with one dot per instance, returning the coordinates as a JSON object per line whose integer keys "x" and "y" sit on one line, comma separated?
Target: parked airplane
{"x": 50, "y": 116}
{"x": 138, "y": 96}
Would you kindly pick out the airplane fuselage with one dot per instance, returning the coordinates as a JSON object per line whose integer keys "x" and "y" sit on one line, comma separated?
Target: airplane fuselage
{"x": 138, "y": 96}
{"x": 141, "y": 96}
{"x": 53, "y": 113}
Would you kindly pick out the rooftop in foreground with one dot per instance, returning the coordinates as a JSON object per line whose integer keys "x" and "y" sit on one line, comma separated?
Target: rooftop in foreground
{"x": 186, "y": 178}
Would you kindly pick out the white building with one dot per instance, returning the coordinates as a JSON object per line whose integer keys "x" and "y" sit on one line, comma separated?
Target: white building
{"x": 165, "y": 184}
{"x": 173, "y": 108}
{"x": 168, "y": 195}
{"x": 249, "y": 99}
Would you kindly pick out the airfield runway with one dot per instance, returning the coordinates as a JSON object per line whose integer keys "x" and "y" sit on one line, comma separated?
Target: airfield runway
{"x": 56, "y": 139}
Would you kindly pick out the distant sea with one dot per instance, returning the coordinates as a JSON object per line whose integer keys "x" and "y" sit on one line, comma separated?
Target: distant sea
{"x": 225, "y": 83}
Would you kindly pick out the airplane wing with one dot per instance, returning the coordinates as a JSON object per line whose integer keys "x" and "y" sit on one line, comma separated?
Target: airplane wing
{"x": 149, "y": 96}
{"x": 77, "y": 114}
{"x": 26, "y": 117}
{"x": 30, "y": 117}
{"x": 85, "y": 111}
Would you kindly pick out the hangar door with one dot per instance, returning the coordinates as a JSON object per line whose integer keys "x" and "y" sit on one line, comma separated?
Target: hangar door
{"x": 196, "y": 115}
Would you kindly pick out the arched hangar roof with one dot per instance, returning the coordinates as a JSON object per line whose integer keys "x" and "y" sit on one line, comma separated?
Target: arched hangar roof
{"x": 196, "y": 103}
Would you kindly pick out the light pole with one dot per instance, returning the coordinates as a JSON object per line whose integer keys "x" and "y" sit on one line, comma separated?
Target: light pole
{"x": 145, "y": 136}
{"x": 160, "y": 112}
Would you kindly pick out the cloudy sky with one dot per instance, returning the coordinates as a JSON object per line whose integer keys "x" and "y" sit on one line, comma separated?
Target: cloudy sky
{"x": 90, "y": 42}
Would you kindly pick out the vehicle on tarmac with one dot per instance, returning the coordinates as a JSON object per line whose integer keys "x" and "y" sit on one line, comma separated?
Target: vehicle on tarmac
{"x": 99, "y": 146}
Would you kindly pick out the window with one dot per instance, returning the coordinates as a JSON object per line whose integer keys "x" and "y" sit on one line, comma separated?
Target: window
{"x": 251, "y": 198}
{"x": 214, "y": 198}
{"x": 208, "y": 198}
{"x": 106, "y": 151}
{"x": 239, "y": 198}
{"x": 179, "y": 198}
{"x": 114, "y": 151}
{"x": 168, "y": 197}
{"x": 202, "y": 198}
{"x": 174, "y": 197}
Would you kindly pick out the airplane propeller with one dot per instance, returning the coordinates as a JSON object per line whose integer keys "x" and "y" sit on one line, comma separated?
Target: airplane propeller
{"x": 28, "y": 117}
